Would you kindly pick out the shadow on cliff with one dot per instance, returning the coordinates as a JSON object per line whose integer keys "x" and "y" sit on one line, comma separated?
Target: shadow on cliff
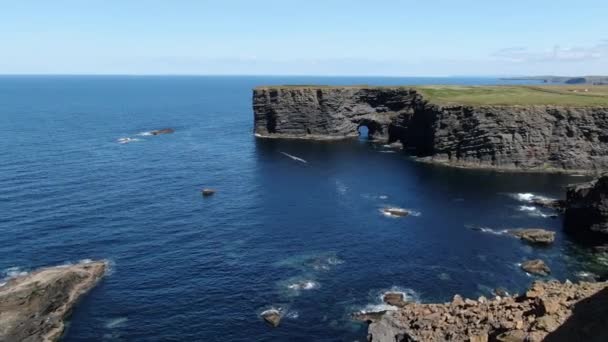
{"x": 589, "y": 321}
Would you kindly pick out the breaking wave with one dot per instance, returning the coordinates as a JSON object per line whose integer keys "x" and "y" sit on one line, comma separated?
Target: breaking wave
{"x": 294, "y": 157}
{"x": 116, "y": 322}
{"x": 488, "y": 230}
{"x": 127, "y": 140}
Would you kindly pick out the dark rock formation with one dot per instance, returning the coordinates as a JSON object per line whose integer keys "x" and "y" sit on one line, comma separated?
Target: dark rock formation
{"x": 534, "y": 235}
{"x": 33, "y": 307}
{"x": 587, "y": 209}
{"x": 162, "y": 131}
{"x": 536, "y": 266}
{"x": 272, "y": 317}
{"x": 532, "y": 137}
{"x": 549, "y": 311}
{"x": 207, "y": 192}
{"x": 396, "y": 212}
{"x": 394, "y": 298}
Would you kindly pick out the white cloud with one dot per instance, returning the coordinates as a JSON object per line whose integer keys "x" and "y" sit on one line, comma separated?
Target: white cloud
{"x": 556, "y": 54}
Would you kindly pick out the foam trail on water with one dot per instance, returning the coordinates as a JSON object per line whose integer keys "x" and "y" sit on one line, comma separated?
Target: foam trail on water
{"x": 294, "y": 157}
{"x": 116, "y": 322}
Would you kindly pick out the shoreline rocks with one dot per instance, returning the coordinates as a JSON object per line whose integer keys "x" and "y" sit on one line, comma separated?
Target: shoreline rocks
{"x": 548, "y": 310}
{"x": 33, "y": 307}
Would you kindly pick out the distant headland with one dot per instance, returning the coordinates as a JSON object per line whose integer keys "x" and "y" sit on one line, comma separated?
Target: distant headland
{"x": 594, "y": 80}
{"x": 532, "y": 128}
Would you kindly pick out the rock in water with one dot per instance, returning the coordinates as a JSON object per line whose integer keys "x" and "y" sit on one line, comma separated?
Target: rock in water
{"x": 208, "y": 192}
{"x": 536, "y": 266}
{"x": 396, "y": 212}
{"x": 587, "y": 209}
{"x": 272, "y": 317}
{"x": 395, "y": 299}
{"x": 33, "y": 307}
{"x": 162, "y": 131}
{"x": 534, "y": 235}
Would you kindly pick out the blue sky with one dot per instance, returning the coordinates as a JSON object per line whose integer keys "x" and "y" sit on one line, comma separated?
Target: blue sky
{"x": 312, "y": 37}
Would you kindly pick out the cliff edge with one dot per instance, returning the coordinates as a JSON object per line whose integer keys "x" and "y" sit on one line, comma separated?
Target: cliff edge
{"x": 517, "y": 128}
{"x": 33, "y": 307}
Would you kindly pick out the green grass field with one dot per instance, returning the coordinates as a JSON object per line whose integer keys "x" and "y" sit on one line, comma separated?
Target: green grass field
{"x": 560, "y": 95}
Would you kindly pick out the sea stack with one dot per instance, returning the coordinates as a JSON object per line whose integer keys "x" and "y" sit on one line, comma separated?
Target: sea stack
{"x": 34, "y": 307}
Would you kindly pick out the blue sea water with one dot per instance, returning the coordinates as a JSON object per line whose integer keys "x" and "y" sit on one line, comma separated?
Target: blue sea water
{"x": 188, "y": 268}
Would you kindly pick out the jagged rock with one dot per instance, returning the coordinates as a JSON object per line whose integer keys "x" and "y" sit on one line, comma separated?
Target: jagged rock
{"x": 501, "y": 292}
{"x": 586, "y": 212}
{"x": 272, "y": 317}
{"x": 394, "y": 298}
{"x": 548, "y": 310}
{"x": 538, "y": 137}
{"x": 534, "y": 235}
{"x": 33, "y": 307}
{"x": 162, "y": 131}
{"x": 369, "y": 317}
{"x": 558, "y": 205}
{"x": 207, "y": 192}
{"x": 536, "y": 266}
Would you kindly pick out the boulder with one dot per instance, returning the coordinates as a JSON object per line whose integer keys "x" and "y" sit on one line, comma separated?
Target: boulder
{"x": 534, "y": 235}
{"x": 162, "y": 131}
{"x": 548, "y": 203}
{"x": 536, "y": 266}
{"x": 272, "y": 317}
{"x": 207, "y": 192}
{"x": 395, "y": 299}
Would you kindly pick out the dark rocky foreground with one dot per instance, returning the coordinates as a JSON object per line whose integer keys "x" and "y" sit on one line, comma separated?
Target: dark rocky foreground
{"x": 33, "y": 307}
{"x": 548, "y": 311}
{"x": 533, "y": 137}
{"x": 586, "y": 212}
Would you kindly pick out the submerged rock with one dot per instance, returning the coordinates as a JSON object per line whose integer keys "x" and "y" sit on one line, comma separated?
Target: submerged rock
{"x": 208, "y": 192}
{"x": 550, "y": 311}
{"x": 396, "y": 212}
{"x": 534, "y": 235}
{"x": 162, "y": 131}
{"x": 33, "y": 307}
{"x": 272, "y": 317}
{"x": 549, "y": 203}
{"x": 536, "y": 266}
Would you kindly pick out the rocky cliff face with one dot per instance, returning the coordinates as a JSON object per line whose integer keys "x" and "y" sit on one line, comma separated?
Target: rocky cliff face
{"x": 33, "y": 307}
{"x": 546, "y": 138}
{"x": 587, "y": 209}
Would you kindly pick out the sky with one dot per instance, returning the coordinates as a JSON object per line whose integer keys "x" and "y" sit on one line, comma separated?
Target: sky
{"x": 306, "y": 37}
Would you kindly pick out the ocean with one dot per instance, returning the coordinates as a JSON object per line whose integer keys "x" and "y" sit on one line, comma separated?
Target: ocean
{"x": 81, "y": 178}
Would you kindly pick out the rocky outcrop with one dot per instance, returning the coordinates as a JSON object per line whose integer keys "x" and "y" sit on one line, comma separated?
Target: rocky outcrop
{"x": 531, "y": 137}
{"x": 550, "y": 311}
{"x": 536, "y": 236}
{"x": 587, "y": 209}
{"x": 33, "y": 307}
{"x": 536, "y": 266}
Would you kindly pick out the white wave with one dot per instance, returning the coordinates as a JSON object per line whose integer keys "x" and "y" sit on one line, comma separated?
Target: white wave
{"x": 379, "y": 305}
{"x": 387, "y": 151}
{"x": 304, "y": 285}
{"x": 341, "y": 187}
{"x": 144, "y": 134}
{"x": 294, "y": 157}
{"x": 127, "y": 140}
{"x": 292, "y": 315}
{"x": 85, "y": 261}
{"x": 13, "y": 272}
{"x": 527, "y": 208}
{"x": 409, "y": 212}
{"x": 489, "y": 230}
{"x": 116, "y": 322}
{"x": 529, "y": 197}
{"x": 383, "y": 197}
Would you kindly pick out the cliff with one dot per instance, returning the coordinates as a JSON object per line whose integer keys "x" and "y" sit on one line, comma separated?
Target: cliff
{"x": 586, "y": 213}
{"x": 463, "y": 126}
{"x": 548, "y": 311}
{"x": 33, "y": 307}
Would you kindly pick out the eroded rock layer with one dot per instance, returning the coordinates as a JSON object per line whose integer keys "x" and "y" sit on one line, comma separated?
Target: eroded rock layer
{"x": 533, "y": 137}
{"x": 33, "y": 307}
{"x": 549, "y": 311}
